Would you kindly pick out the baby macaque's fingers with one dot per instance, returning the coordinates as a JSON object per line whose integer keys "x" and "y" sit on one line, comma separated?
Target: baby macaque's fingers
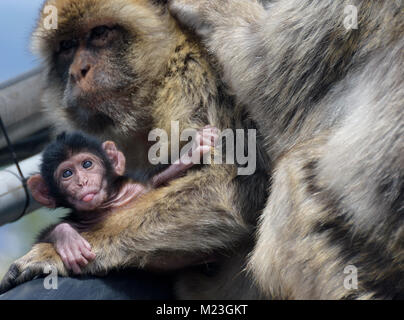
{"x": 206, "y": 141}
{"x": 204, "y": 134}
{"x": 81, "y": 260}
{"x": 72, "y": 261}
{"x": 212, "y": 133}
{"x": 208, "y": 129}
{"x": 63, "y": 256}
{"x": 204, "y": 149}
{"x": 198, "y": 140}
{"x": 209, "y": 140}
{"x": 78, "y": 255}
{"x": 88, "y": 254}
{"x": 88, "y": 246}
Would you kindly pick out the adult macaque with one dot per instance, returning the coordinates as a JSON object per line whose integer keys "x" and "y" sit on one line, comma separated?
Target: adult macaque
{"x": 329, "y": 101}
{"x": 117, "y": 70}
{"x": 80, "y": 173}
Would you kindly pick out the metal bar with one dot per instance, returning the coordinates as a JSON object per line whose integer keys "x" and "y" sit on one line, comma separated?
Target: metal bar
{"x": 12, "y": 194}
{"x": 20, "y": 106}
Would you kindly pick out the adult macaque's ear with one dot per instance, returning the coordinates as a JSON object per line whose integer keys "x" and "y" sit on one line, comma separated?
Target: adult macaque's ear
{"x": 40, "y": 192}
{"x": 117, "y": 158}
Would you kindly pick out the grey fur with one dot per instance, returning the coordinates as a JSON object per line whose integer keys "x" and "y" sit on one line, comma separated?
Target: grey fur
{"x": 329, "y": 102}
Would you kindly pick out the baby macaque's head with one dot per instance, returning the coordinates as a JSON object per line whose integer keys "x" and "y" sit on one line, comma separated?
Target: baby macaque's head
{"x": 78, "y": 172}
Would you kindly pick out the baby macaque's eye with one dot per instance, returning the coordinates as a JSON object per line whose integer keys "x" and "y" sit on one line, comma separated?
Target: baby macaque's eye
{"x": 87, "y": 164}
{"x": 67, "y": 173}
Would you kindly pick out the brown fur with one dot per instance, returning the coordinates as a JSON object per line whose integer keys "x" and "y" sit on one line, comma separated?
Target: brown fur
{"x": 210, "y": 211}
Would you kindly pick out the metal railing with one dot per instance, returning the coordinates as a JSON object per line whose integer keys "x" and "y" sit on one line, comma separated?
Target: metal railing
{"x": 22, "y": 114}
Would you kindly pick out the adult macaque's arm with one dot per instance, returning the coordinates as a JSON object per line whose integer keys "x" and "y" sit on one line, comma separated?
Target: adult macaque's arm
{"x": 168, "y": 221}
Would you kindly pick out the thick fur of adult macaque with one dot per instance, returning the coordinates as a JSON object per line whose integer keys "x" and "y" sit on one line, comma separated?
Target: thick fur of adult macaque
{"x": 118, "y": 69}
{"x": 329, "y": 102}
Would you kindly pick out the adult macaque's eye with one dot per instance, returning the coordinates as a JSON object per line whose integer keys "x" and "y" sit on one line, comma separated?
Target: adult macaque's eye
{"x": 87, "y": 164}
{"x": 67, "y": 173}
{"x": 68, "y": 44}
{"x": 99, "y": 31}
{"x": 101, "y": 36}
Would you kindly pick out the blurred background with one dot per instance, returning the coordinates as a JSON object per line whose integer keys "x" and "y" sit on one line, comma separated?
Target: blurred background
{"x": 17, "y": 20}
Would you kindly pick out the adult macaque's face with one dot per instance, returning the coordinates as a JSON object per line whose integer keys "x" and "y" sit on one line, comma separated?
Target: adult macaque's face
{"x": 93, "y": 78}
{"x": 82, "y": 180}
{"x": 102, "y": 62}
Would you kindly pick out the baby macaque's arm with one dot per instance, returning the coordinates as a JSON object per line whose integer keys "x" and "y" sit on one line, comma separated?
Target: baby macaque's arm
{"x": 204, "y": 140}
{"x": 73, "y": 249}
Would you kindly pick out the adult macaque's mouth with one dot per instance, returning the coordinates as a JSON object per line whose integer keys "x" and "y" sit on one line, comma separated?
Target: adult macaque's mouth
{"x": 90, "y": 120}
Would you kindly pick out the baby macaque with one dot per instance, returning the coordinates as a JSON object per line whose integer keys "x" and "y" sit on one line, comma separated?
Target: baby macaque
{"x": 83, "y": 174}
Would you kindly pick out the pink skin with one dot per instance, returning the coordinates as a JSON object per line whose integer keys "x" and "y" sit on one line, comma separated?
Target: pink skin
{"x": 204, "y": 140}
{"x": 86, "y": 191}
{"x": 85, "y": 188}
{"x": 73, "y": 249}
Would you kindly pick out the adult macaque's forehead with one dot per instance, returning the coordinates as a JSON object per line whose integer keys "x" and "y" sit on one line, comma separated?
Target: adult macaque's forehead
{"x": 75, "y": 18}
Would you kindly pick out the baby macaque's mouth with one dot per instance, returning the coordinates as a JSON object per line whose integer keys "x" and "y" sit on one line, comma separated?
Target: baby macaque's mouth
{"x": 88, "y": 197}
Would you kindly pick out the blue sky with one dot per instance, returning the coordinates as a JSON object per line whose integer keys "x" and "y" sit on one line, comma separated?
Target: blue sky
{"x": 17, "y": 20}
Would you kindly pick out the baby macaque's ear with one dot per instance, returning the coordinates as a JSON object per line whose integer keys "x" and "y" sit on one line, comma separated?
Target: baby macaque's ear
{"x": 117, "y": 158}
{"x": 40, "y": 192}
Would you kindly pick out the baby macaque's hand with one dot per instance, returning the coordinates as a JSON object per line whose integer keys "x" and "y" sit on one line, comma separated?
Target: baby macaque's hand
{"x": 73, "y": 249}
{"x": 205, "y": 139}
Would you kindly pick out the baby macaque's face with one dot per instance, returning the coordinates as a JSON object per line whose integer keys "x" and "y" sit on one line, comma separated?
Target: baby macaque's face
{"x": 82, "y": 180}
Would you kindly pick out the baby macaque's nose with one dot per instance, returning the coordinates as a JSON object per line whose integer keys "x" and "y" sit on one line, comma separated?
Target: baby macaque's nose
{"x": 82, "y": 180}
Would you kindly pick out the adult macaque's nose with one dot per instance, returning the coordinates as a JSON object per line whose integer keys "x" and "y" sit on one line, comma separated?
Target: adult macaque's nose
{"x": 81, "y": 65}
